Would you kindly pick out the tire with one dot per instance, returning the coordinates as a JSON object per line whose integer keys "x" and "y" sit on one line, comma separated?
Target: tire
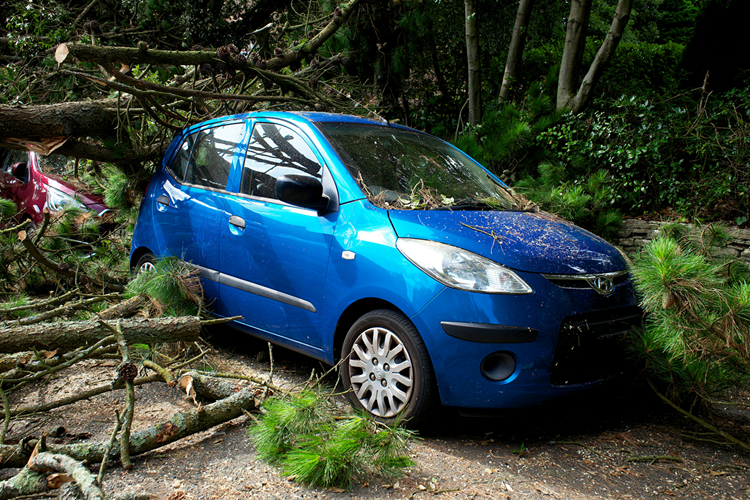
{"x": 145, "y": 264}
{"x": 378, "y": 342}
{"x": 30, "y": 228}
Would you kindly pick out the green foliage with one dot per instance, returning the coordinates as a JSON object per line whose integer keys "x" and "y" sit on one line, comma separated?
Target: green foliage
{"x": 660, "y": 154}
{"x": 14, "y": 302}
{"x": 643, "y": 69}
{"x": 7, "y": 208}
{"x": 302, "y": 435}
{"x": 173, "y": 287}
{"x": 586, "y": 202}
{"x": 118, "y": 193}
{"x": 508, "y": 133}
{"x": 695, "y": 340}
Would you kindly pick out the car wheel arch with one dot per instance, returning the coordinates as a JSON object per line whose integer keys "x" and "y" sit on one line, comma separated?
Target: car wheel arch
{"x": 136, "y": 256}
{"x": 351, "y": 314}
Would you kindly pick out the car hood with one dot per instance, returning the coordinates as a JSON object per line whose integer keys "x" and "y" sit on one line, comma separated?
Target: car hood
{"x": 531, "y": 242}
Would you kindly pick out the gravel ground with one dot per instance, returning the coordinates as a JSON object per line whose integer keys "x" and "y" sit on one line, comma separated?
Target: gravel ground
{"x": 575, "y": 449}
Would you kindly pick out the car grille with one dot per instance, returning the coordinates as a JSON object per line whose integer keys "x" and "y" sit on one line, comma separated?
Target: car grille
{"x": 589, "y": 346}
{"x": 583, "y": 281}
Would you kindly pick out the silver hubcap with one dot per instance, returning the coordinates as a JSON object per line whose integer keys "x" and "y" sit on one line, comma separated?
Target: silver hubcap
{"x": 381, "y": 372}
{"x": 146, "y": 266}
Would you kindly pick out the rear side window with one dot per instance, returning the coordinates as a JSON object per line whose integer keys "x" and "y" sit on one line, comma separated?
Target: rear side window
{"x": 180, "y": 164}
{"x": 211, "y": 158}
{"x": 275, "y": 150}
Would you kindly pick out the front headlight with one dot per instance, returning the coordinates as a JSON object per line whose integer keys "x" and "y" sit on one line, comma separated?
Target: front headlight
{"x": 459, "y": 268}
{"x": 57, "y": 200}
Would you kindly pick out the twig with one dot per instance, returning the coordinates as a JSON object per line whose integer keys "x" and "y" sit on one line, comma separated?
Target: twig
{"x": 112, "y": 440}
{"x": 129, "y": 402}
{"x": 163, "y": 372}
{"x": 655, "y": 458}
{"x": 43, "y": 229}
{"x": 64, "y": 309}
{"x": 84, "y": 395}
{"x": 52, "y": 369}
{"x": 249, "y": 378}
{"x": 37, "y": 305}
{"x": 495, "y": 237}
{"x": 6, "y": 410}
{"x": 44, "y": 261}
{"x": 576, "y": 443}
{"x": 697, "y": 420}
{"x": 218, "y": 321}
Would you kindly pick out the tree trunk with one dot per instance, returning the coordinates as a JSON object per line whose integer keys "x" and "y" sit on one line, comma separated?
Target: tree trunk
{"x": 515, "y": 51}
{"x": 73, "y": 334}
{"x": 575, "y": 43}
{"x": 76, "y": 119}
{"x": 622, "y": 15}
{"x": 474, "y": 85}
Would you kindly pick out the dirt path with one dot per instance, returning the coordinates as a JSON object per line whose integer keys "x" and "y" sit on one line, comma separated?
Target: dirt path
{"x": 572, "y": 450}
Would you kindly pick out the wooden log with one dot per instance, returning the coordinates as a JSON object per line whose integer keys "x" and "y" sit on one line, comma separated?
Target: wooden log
{"x": 73, "y": 334}
{"x": 181, "y": 425}
{"x": 210, "y": 387}
{"x": 125, "y": 309}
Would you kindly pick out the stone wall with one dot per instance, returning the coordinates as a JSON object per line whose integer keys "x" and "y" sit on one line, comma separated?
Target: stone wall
{"x": 635, "y": 234}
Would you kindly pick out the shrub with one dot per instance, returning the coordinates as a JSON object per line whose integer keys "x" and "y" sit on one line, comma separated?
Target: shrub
{"x": 696, "y": 339}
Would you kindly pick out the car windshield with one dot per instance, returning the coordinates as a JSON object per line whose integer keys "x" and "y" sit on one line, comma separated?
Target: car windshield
{"x": 404, "y": 169}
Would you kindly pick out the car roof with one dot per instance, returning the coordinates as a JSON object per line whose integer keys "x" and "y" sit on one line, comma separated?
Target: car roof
{"x": 309, "y": 116}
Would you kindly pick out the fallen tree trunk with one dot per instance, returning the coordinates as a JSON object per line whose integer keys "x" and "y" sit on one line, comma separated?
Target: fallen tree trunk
{"x": 181, "y": 424}
{"x": 76, "y": 119}
{"x": 73, "y": 334}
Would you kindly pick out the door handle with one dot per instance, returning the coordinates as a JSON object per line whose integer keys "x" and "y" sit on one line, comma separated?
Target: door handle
{"x": 163, "y": 199}
{"x": 237, "y": 221}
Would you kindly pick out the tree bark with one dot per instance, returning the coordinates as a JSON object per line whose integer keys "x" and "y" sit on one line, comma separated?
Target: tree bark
{"x": 474, "y": 84}
{"x": 515, "y": 51}
{"x": 575, "y": 43}
{"x": 214, "y": 388}
{"x": 72, "y": 334}
{"x": 67, "y": 119}
{"x": 622, "y": 15}
{"x": 182, "y": 424}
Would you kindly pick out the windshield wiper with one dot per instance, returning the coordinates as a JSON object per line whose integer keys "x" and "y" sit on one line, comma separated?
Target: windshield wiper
{"x": 469, "y": 205}
{"x": 481, "y": 206}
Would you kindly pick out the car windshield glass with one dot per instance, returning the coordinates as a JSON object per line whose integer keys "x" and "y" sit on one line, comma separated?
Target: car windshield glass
{"x": 404, "y": 169}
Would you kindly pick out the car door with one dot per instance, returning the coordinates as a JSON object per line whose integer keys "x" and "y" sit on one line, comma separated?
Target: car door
{"x": 274, "y": 256}
{"x": 191, "y": 196}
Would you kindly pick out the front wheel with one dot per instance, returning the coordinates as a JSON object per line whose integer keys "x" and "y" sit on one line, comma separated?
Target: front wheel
{"x": 386, "y": 369}
{"x": 145, "y": 263}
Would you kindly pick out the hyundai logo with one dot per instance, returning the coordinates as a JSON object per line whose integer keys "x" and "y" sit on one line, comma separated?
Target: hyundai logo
{"x": 602, "y": 284}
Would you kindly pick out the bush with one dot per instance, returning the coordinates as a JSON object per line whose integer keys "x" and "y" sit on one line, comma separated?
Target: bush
{"x": 696, "y": 339}
{"x": 661, "y": 154}
{"x": 505, "y": 140}
{"x": 586, "y": 202}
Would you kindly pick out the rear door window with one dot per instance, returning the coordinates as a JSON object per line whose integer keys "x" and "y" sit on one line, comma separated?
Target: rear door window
{"x": 210, "y": 154}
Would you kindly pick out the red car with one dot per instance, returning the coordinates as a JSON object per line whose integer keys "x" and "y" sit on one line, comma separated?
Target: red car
{"x": 23, "y": 182}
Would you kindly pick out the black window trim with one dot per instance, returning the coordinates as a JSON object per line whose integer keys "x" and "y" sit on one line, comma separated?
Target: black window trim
{"x": 168, "y": 168}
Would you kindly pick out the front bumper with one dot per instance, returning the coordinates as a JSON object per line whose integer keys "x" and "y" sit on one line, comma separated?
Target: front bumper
{"x": 561, "y": 340}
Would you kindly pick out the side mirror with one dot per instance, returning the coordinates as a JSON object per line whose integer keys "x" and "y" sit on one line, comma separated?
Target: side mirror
{"x": 301, "y": 190}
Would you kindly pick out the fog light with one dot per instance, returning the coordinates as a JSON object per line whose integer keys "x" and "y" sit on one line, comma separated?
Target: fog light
{"x": 498, "y": 366}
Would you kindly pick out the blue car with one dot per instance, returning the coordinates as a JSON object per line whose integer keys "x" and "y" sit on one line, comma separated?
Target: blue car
{"x": 392, "y": 252}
